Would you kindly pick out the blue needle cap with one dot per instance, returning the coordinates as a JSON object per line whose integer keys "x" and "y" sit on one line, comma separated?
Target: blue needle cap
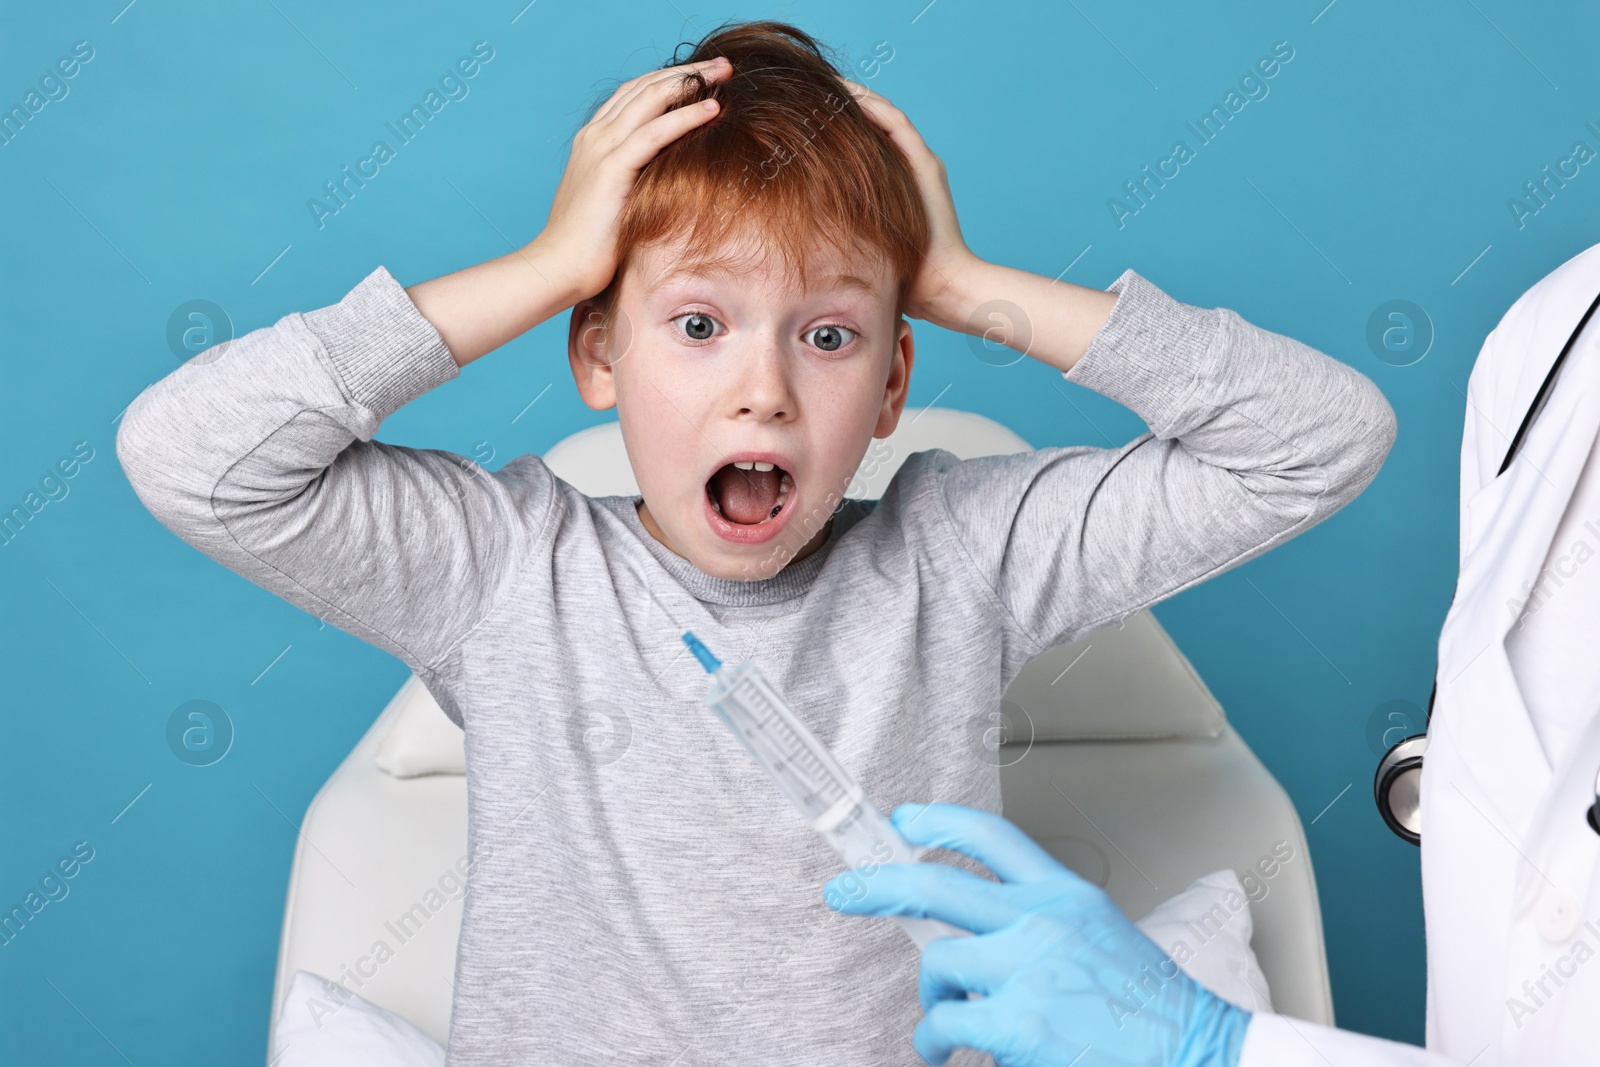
{"x": 701, "y": 653}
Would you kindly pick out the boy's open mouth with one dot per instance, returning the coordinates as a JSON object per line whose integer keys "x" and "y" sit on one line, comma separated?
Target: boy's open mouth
{"x": 749, "y": 492}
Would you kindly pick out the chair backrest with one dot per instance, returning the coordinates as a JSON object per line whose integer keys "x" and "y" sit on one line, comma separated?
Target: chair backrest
{"x": 1114, "y": 756}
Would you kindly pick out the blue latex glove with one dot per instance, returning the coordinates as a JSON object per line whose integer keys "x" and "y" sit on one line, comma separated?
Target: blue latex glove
{"x": 1065, "y": 977}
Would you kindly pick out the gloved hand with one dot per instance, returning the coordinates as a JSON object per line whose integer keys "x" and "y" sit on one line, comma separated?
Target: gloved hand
{"x": 1065, "y": 977}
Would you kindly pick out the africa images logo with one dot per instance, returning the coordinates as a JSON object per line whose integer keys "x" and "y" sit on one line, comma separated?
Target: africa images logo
{"x": 453, "y": 87}
{"x": 1252, "y": 86}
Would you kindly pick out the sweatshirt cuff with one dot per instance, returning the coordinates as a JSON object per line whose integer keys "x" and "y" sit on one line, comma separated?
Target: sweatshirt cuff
{"x": 384, "y": 350}
{"x": 1150, "y": 354}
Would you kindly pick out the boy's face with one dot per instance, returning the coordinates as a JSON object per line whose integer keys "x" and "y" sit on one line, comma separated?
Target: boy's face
{"x": 709, "y": 366}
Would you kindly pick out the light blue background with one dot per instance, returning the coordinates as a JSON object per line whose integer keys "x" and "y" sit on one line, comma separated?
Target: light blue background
{"x": 1378, "y": 167}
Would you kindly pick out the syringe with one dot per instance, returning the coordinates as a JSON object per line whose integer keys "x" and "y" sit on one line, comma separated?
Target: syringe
{"x": 806, "y": 772}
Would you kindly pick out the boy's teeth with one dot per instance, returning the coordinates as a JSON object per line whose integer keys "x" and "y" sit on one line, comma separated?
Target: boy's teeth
{"x": 762, "y": 466}
{"x": 784, "y": 486}
{"x": 744, "y": 464}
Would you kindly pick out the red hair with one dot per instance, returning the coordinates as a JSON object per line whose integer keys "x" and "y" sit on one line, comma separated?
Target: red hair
{"x": 790, "y": 159}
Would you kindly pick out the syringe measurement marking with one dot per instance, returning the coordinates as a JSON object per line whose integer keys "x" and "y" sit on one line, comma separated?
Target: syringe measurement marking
{"x": 794, "y": 749}
{"x": 794, "y": 752}
{"x": 820, "y": 784}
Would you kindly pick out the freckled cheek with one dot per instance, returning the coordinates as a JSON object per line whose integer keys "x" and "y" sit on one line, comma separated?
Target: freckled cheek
{"x": 842, "y": 421}
{"x": 665, "y": 448}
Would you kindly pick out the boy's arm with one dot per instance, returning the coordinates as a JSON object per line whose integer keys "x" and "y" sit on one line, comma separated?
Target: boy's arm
{"x": 480, "y": 308}
{"x": 1254, "y": 437}
{"x": 259, "y": 452}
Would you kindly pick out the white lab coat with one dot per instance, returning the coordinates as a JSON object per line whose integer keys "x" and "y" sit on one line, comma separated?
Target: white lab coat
{"x": 1509, "y": 865}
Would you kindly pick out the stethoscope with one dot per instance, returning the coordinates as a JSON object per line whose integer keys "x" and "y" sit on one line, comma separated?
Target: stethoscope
{"x": 1397, "y": 787}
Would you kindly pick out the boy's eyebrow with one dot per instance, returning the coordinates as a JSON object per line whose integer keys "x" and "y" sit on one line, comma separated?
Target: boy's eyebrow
{"x": 840, "y": 280}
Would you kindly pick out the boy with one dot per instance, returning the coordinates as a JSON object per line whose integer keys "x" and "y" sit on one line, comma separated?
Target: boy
{"x": 738, "y": 299}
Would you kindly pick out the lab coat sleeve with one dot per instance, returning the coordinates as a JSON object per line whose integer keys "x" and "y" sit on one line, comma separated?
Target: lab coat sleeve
{"x": 1279, "y": 1041}
{"x": 259, "y": 453}
{"x": 1253, "y": 438}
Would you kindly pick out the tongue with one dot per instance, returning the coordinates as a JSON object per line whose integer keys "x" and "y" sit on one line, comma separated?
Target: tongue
{"x": 746, "y": 497}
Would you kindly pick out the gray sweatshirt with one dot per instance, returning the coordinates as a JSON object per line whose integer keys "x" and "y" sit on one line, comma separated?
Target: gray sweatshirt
{"x": 651, "y": 899}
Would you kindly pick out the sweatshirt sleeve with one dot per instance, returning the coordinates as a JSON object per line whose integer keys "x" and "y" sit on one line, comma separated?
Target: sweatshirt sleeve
{"x": 1253, "y": 437}
{"x": 259, "y": 453}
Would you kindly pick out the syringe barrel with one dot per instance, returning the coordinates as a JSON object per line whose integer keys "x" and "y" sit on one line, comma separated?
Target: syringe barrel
{"x": 865, "y": 839}
{"x": 824, "y": 792}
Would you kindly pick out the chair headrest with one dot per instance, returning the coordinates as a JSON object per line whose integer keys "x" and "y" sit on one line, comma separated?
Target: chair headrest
{"x": 595, "y": 462}
{"x": 1124, "y": 682}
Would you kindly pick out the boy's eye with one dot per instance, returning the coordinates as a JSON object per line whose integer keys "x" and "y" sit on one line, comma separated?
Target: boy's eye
{"x": 831, "y": 338}
{"x": 697, "y": 326}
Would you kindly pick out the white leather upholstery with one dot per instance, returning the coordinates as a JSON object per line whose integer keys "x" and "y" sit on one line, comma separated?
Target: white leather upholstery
{"x": 1115, "y": 757}
{"x": 371, "y": 848}
{"x": 1145, "y": 818}
{"x": 421, "y": 741}
{"x": 1122, "y": 683}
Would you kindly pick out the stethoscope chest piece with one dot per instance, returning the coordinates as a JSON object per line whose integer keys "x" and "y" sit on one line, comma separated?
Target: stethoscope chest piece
{"x": 1397, "y": 788}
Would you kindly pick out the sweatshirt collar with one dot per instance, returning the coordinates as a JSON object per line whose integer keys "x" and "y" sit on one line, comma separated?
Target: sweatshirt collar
{"x": 792, "y": 581}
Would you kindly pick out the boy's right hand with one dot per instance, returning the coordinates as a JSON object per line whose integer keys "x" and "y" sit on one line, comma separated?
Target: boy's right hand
{"x": 478, "y": 309}
{"x": 580, "y": 237}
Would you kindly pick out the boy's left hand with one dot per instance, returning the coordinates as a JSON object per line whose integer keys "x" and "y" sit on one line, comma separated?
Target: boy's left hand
{"x": 948, "y": 259}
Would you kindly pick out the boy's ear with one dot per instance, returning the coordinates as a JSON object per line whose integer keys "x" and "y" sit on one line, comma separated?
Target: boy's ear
{"x": 593, "y": 349}
{"x": 898, "y": 386}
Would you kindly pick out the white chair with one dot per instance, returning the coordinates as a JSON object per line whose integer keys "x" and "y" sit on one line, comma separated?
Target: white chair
{"x": 1115, "y": 757}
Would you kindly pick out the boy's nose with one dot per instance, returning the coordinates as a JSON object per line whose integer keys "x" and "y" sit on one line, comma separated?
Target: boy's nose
{"x": 764, "y": 388}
